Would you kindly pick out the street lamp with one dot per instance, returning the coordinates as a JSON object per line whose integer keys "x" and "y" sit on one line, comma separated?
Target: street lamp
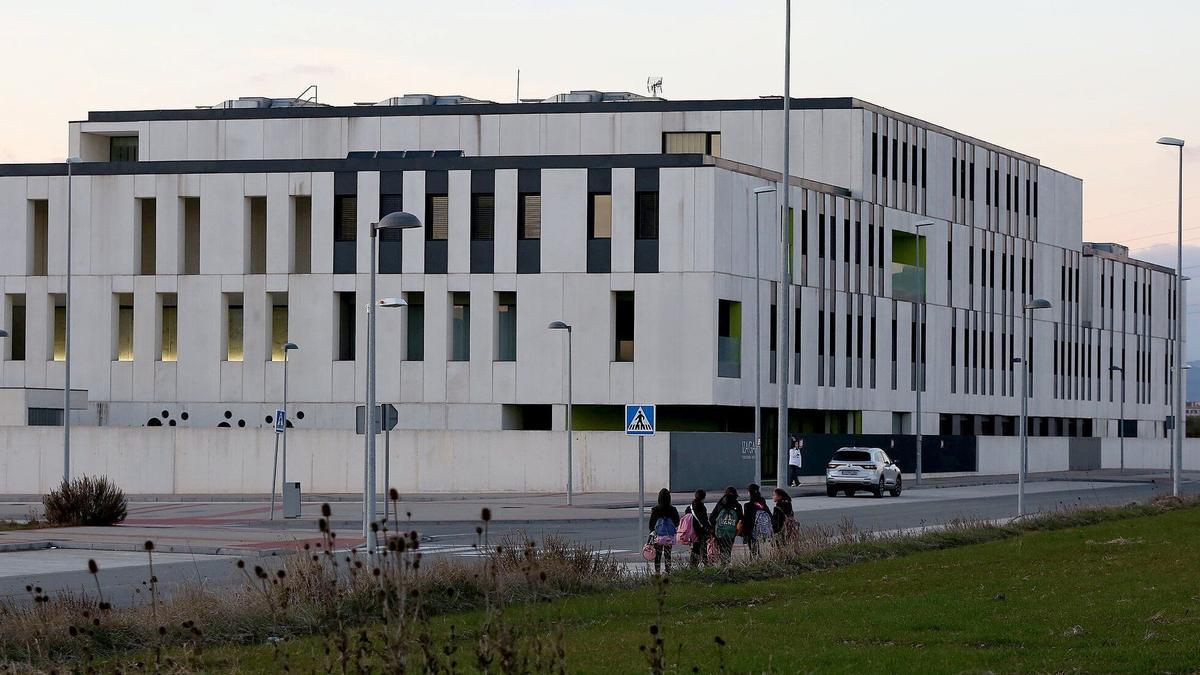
{"x": 1037, "y": 303}
{"x": 71, "y": 162}
{"x": 387, "y": 434}
{"x": 1177, "y": 453}
{"x": 398, "y": 220}
{"x": 287, "y": 347}
{"x": 559, "y": 325}
{"x": 758, "y": 192}
{"x": 920, "y": 342}
{"x": 1121, "y": 424}
{"x": 785, "y": 257}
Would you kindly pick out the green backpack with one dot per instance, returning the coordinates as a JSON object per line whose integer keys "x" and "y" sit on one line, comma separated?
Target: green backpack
{"x": 726, "y": 525}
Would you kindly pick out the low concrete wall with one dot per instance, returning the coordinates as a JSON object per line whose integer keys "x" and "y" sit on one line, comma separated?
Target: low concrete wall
{"x": 1001, "y": 454}
{"x": 232, "y": 461}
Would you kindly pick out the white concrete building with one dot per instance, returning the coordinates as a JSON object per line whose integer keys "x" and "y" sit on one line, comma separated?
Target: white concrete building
{"x": 205, "y": 238}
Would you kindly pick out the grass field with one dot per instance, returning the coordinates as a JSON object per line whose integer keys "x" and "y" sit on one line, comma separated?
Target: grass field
{"x": 1117, "y": 596}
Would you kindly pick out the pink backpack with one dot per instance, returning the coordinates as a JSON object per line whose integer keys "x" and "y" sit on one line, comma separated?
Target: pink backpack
{"x": 687, "y": 529}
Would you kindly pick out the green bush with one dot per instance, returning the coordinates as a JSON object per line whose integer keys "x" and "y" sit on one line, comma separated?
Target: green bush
{"x": 85, "y": 501}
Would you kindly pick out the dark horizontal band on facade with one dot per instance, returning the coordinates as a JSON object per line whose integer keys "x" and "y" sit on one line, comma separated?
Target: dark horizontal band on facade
{"x": 392, "y": 163}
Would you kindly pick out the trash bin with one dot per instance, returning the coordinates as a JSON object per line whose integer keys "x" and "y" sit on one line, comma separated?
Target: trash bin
{"x": 291, "y": 499}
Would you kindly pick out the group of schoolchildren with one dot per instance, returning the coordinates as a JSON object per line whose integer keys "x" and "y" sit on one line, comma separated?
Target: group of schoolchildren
{"x": 711, "y": 535}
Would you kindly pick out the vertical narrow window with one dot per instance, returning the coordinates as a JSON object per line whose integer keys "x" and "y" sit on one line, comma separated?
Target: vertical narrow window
{"x": 345, "y": 234}
{"x": 344, "y": 323}
{"x": 279, "y": 325}
{"x": 646, "y": 216}
{"x": 59, "y": 333}
{"x": 949, "y": 261}
{"x": 623, "y": 325}
{"x": 390, "y": 241}
{"x": 168, "y": 332}
{"x": 14, "y": 346}
{"x": 437, "y": 215}
{"x": 894, "y": 347}
{"x": 123, "y": 313}
{"x": 190, "y": 208}
{"x": 875, "y": 153}
{"x": 147, "y": 235}
{"x": 846, "y": 240}
{"x": 895, "y": 158}
{"x": 301, "y": 235}
{"x": 971, "y": 183}
{"x": 235, "y": 327}
{"x": 460, "y": 326}
{"x": 729, "y": 338}
{"x": 483, "y": 216}
{"x": 924, "y": 167}
{"x": 256, "y": 221}
{"x": 38, "y": 237}
{"x": 870, "y": 245}
{"x": 530, "y": 216}
{"x": 599, "y": 216}
{"x": 904, "y": 164}
{"x": 483, "y": 222}
{"x": 506, "y": 326}
{"x": 415, "y": 334}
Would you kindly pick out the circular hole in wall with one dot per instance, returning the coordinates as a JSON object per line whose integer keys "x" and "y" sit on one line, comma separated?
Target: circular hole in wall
{"x": 154, "y": 422}
{"x": 241, "y": 423}
{"x": 165, "y": 414}
{"x": 223, "y": 425}
{"x": 184, "y": 416}
{"x": 228, "y": 415}
{"x": 171, "y": 423}
{"x": 289, "y": 424}
{"x": 268, "y": 419}
{"x": 299, "y": 414}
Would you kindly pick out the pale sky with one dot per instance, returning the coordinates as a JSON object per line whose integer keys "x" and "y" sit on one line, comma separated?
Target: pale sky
{"x": 1084, "y": 85}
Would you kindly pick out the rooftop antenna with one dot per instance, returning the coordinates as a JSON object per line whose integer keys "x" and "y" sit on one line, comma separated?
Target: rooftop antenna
{"x": 654, "y": 85}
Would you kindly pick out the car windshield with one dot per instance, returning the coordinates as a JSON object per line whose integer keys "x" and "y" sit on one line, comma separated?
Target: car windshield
{"x": 852, "y": 456}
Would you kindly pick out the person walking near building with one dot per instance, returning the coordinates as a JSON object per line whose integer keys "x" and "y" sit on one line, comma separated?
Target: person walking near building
{"x": 664, "y": 521}
{"x": 795, "y": 461}
{"x": 783, "y": 518}
{"x": 726, "y": 519}
{"x": 701, "y": 528}
{"x": 756, "y": 520}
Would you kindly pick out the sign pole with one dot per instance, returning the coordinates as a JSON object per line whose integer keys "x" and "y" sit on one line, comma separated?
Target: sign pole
{"x": 274, "y": 469}
{"x": 642, "y": 485}
{"x": 387, "y": 472}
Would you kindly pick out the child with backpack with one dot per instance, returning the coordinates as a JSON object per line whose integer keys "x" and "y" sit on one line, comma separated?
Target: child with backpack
{"x": 664, "y": 522}
{"x": 783, "y": 518}
{"x": 756, "y": 520}
{"x": 696, "y": 530}
{"x": 726, "y": 518}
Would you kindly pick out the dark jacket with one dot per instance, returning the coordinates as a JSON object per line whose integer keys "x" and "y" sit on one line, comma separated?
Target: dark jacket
{"x": 700, "y": 519}
{"x": 748, "y": 513}
{"x": 723, "y": 505}
{"x": 663, "y": 512}
{"x": 779, "y": 516}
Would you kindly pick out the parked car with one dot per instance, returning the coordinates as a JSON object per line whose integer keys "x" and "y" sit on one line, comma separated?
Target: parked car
{"x": 854, "y": 469}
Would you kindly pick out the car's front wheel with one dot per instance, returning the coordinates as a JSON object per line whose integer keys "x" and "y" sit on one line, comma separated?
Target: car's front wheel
{"x": 898, "y": 487}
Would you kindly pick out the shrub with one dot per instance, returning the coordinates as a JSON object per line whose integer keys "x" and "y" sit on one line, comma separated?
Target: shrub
{"x": 85, "y": 501}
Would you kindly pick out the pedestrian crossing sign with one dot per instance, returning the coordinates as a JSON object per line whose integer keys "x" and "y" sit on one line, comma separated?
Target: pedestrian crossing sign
{"x": 639, "y": 419}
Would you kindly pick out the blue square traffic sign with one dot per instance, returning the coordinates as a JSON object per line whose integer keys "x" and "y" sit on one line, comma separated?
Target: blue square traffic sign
{"x": 639, "y": 419}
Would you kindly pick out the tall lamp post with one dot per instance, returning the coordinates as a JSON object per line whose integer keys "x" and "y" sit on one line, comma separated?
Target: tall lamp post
{"x": 1037, "y": 303}
{"x": 758, "y": 192}
{"x": 1121, "y": 424}
{"x": 387, "y": 435}
{"x": 71, "y": 162}
{"x": 1177, "y": 453}
{"x": 559, "y": 325}
{"x": 920, "y": 344}
{"x": 785, "y": 257}
{"x": 398, "y": 220}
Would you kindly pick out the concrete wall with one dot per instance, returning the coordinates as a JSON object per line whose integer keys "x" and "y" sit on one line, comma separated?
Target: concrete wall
{"x": 1001, "y": 455}
{"x": 233, "y": 461}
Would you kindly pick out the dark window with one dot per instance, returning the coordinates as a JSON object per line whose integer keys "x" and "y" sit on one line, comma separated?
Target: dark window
{"x": 987, "y": 183}
{"x": 460, "y": 326}
{"x": 506, "y": 326}
{"x": 858, "y": 242}
{"x": 895, "y": 158}
{"x": 623, "y": 325}
{"x": 846, "y": 240}
{"x": 954, "y": 177}
{"x": 885, "y": 162}
{"x": 345, "y": 232}
{"x": 646, "y": 216}
{"x": 914, "y": 163}
{"x": 123, "y": 149}
{"x": 415, "y": 339}
{"x": 904, "y": 164}
{"x": 821, "y": 236}
{"x": 924, "y": 167}
{"x": 345, "y": 325}
{"x": 875, "y": 153}
{"x": 971, "y": 185}
{"x": 16, "y": 328}
{"x": 949, "y": 261}
{"x": 483, "y": 216}
{"x": 870, "y": 245}
{"x": 804, "y": 232}
{"x": 390, "y": 240}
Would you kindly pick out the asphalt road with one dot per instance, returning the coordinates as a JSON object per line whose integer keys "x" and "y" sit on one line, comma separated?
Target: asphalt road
{"x": 123, "y": 575}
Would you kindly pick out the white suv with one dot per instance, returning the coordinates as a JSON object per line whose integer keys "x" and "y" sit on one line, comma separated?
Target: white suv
{"x": 870, "y": 469}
